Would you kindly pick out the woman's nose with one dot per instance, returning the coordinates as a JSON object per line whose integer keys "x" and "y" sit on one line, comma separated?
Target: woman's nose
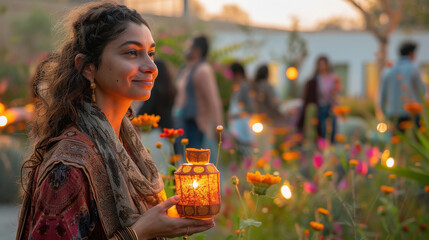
{"x": 147, "y": 65}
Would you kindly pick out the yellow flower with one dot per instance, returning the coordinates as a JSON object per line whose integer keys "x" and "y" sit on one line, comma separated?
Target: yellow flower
{"x": 323, "y": 211}
{"x": 317, "y": 226}
{"x": 262, "y": 182}
{"x": 387, "y": 189}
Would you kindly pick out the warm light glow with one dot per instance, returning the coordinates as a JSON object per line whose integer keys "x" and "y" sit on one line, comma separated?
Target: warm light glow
{"x": 3, "y": 121}
{"x": 382, "y": 127}
{"x": 2, "y": 108}
{"x": 257, "y": 127}
{"x": 292, "y": 73}
{"x": 390, "y": 162}
{"x": 286, "y": 192}
{"x": 195, "y": 184}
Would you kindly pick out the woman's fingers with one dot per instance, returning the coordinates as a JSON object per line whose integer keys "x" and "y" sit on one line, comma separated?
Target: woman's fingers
{"x": 164, "y": 206}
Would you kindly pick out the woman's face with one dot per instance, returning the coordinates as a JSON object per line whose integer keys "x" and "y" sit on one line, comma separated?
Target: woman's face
{"x": 127, "y": 71}
{"x": 322, "y": 66}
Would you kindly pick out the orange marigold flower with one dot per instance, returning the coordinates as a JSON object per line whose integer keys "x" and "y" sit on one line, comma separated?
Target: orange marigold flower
{"x": 185, "y": 141}
{"x": 354, "y": 162}
{"x": 328, "y": 174}
{"x": 427, "y": 188}
{"x": 387, "y": 189}
{"x": 219, "y": 128}
{"x": 395, "y": 140}
{"x": 406, "y": 125}
{"x": 317, "y": 226}
{"x": 171, "y": 134}
{"x": 158, "y": 144}
{"x": 314, "y": 121}
{"x": 290, "y": 156}
{"x": 422, "y": 129}
{"x": 323, "y": 211}
{"x": 262, "y": 182}
{"x": 307, "y": 232}
{"x": 413, "y": 108}
{"x": 341, "y": 110}
{"x": 340, "y": 138}
{"x": 392, "y": 176}
{"x": 260, "y": 163}
{"x": 175, "y": 158}
{"x": 146, "y": 121}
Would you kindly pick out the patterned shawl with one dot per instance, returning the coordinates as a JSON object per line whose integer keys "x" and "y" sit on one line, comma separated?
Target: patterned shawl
{"x": 133, "y": 176}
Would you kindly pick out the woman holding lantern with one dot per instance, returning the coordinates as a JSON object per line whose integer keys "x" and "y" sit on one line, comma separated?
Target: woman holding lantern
{"x": 89, "y": 174}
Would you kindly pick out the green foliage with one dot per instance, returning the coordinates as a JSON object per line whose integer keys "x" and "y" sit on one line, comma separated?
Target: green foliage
{"x": 33, "y": 31}
{"x": 16, "y": 75}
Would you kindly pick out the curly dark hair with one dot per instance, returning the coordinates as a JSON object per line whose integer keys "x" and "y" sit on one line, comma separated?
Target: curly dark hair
{"x": 59, "y": 86}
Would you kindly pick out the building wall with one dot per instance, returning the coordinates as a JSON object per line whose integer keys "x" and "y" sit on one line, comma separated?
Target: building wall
{"x": 353, "y": 49}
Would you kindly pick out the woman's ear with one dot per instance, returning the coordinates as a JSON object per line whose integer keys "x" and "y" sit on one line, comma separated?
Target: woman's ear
{"x": 89, "y": 69}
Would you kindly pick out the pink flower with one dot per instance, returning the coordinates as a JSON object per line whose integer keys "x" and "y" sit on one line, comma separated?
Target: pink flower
{"x": 337, "y": 228}
{"x": 318, "y": 160}
{"x": 277, "y": 163}
{"x": 343, "y": 184}
{"x": 321, "y": 142}
{"x": 233, "y": 168}
{"x": 310, "y": 187}
{"x": 247, "y": 163}
{"x": 362, "y": 168}
{"x": 372, "y": 152}
{"x": 167, "y": 50}
{"x": 228, "y": 191}
{"x": 227, "y": 73}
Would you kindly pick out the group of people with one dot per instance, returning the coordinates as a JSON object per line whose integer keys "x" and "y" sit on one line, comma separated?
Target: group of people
{"x": 89, "y": 175}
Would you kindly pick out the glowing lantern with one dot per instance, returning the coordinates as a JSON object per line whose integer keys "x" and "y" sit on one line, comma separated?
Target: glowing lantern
{"x": 292, "y": 73}
{"x": 198, "y": 185}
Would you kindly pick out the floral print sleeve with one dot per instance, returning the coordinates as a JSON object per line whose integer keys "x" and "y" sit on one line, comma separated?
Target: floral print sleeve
{"x": 63, "y": 206}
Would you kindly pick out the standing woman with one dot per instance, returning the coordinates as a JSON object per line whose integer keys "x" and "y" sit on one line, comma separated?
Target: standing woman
{"x": 321, "y": 90}
{"x": 89, "y": 174}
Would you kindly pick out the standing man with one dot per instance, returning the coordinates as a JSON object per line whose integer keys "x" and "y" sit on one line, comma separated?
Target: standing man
{"x": 401, "y": 84}
{"x": 198, "y": 107}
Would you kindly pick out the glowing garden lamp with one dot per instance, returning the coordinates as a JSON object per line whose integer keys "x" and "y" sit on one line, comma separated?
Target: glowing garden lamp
{"x": 257, "y": 127}
{"x": 286, "y": 192}
{"x": 292, "y": 73}
{"x": 198, "y": 185}
{"x": 3, "y": 121}
{"x": 390, "y": 162}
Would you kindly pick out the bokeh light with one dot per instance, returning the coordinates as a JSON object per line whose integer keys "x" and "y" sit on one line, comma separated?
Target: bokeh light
{"x": 390, "y": 162}
{"x": 3, "y": 121}
{"x": 286, "y": 192}
{"x": 382, "y": 127}
{"x": 292, "y": 73}
{"x": 257, "y": 127}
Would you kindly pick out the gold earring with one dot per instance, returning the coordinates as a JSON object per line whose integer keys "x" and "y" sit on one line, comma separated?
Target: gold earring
{"x": 93, "y": 86}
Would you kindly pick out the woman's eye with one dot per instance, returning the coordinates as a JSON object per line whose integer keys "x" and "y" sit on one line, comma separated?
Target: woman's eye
{"x": 152, "y": 54}
{"x": 132, "y": 52}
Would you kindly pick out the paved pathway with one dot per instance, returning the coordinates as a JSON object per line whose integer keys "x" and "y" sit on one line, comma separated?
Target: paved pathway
{"x": 8, "y": 221}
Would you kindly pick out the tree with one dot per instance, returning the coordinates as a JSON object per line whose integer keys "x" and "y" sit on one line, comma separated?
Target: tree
{"x": 338, "y": 23}
{"x": 416, "y": 15}
{"x": 381, "y": 17}
{"x": 233, "y": 13}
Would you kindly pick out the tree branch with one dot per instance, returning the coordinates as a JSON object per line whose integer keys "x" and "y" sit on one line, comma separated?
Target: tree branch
{"x": 395, "y": 17}
{"x": 369, "y": 24}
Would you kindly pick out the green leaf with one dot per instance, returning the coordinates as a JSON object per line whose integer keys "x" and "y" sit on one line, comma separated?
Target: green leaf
{"x": 407, "y": 173}
{"x": 249, "y": 222}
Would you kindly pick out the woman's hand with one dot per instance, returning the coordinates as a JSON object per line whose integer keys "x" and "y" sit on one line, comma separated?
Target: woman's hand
{"x": 156, "y": 223}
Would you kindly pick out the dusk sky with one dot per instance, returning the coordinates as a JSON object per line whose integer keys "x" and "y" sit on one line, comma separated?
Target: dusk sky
{"x": 280, "y": 12}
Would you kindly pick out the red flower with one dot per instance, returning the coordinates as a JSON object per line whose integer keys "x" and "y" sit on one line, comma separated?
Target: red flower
{"x": 171, "y": 134}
